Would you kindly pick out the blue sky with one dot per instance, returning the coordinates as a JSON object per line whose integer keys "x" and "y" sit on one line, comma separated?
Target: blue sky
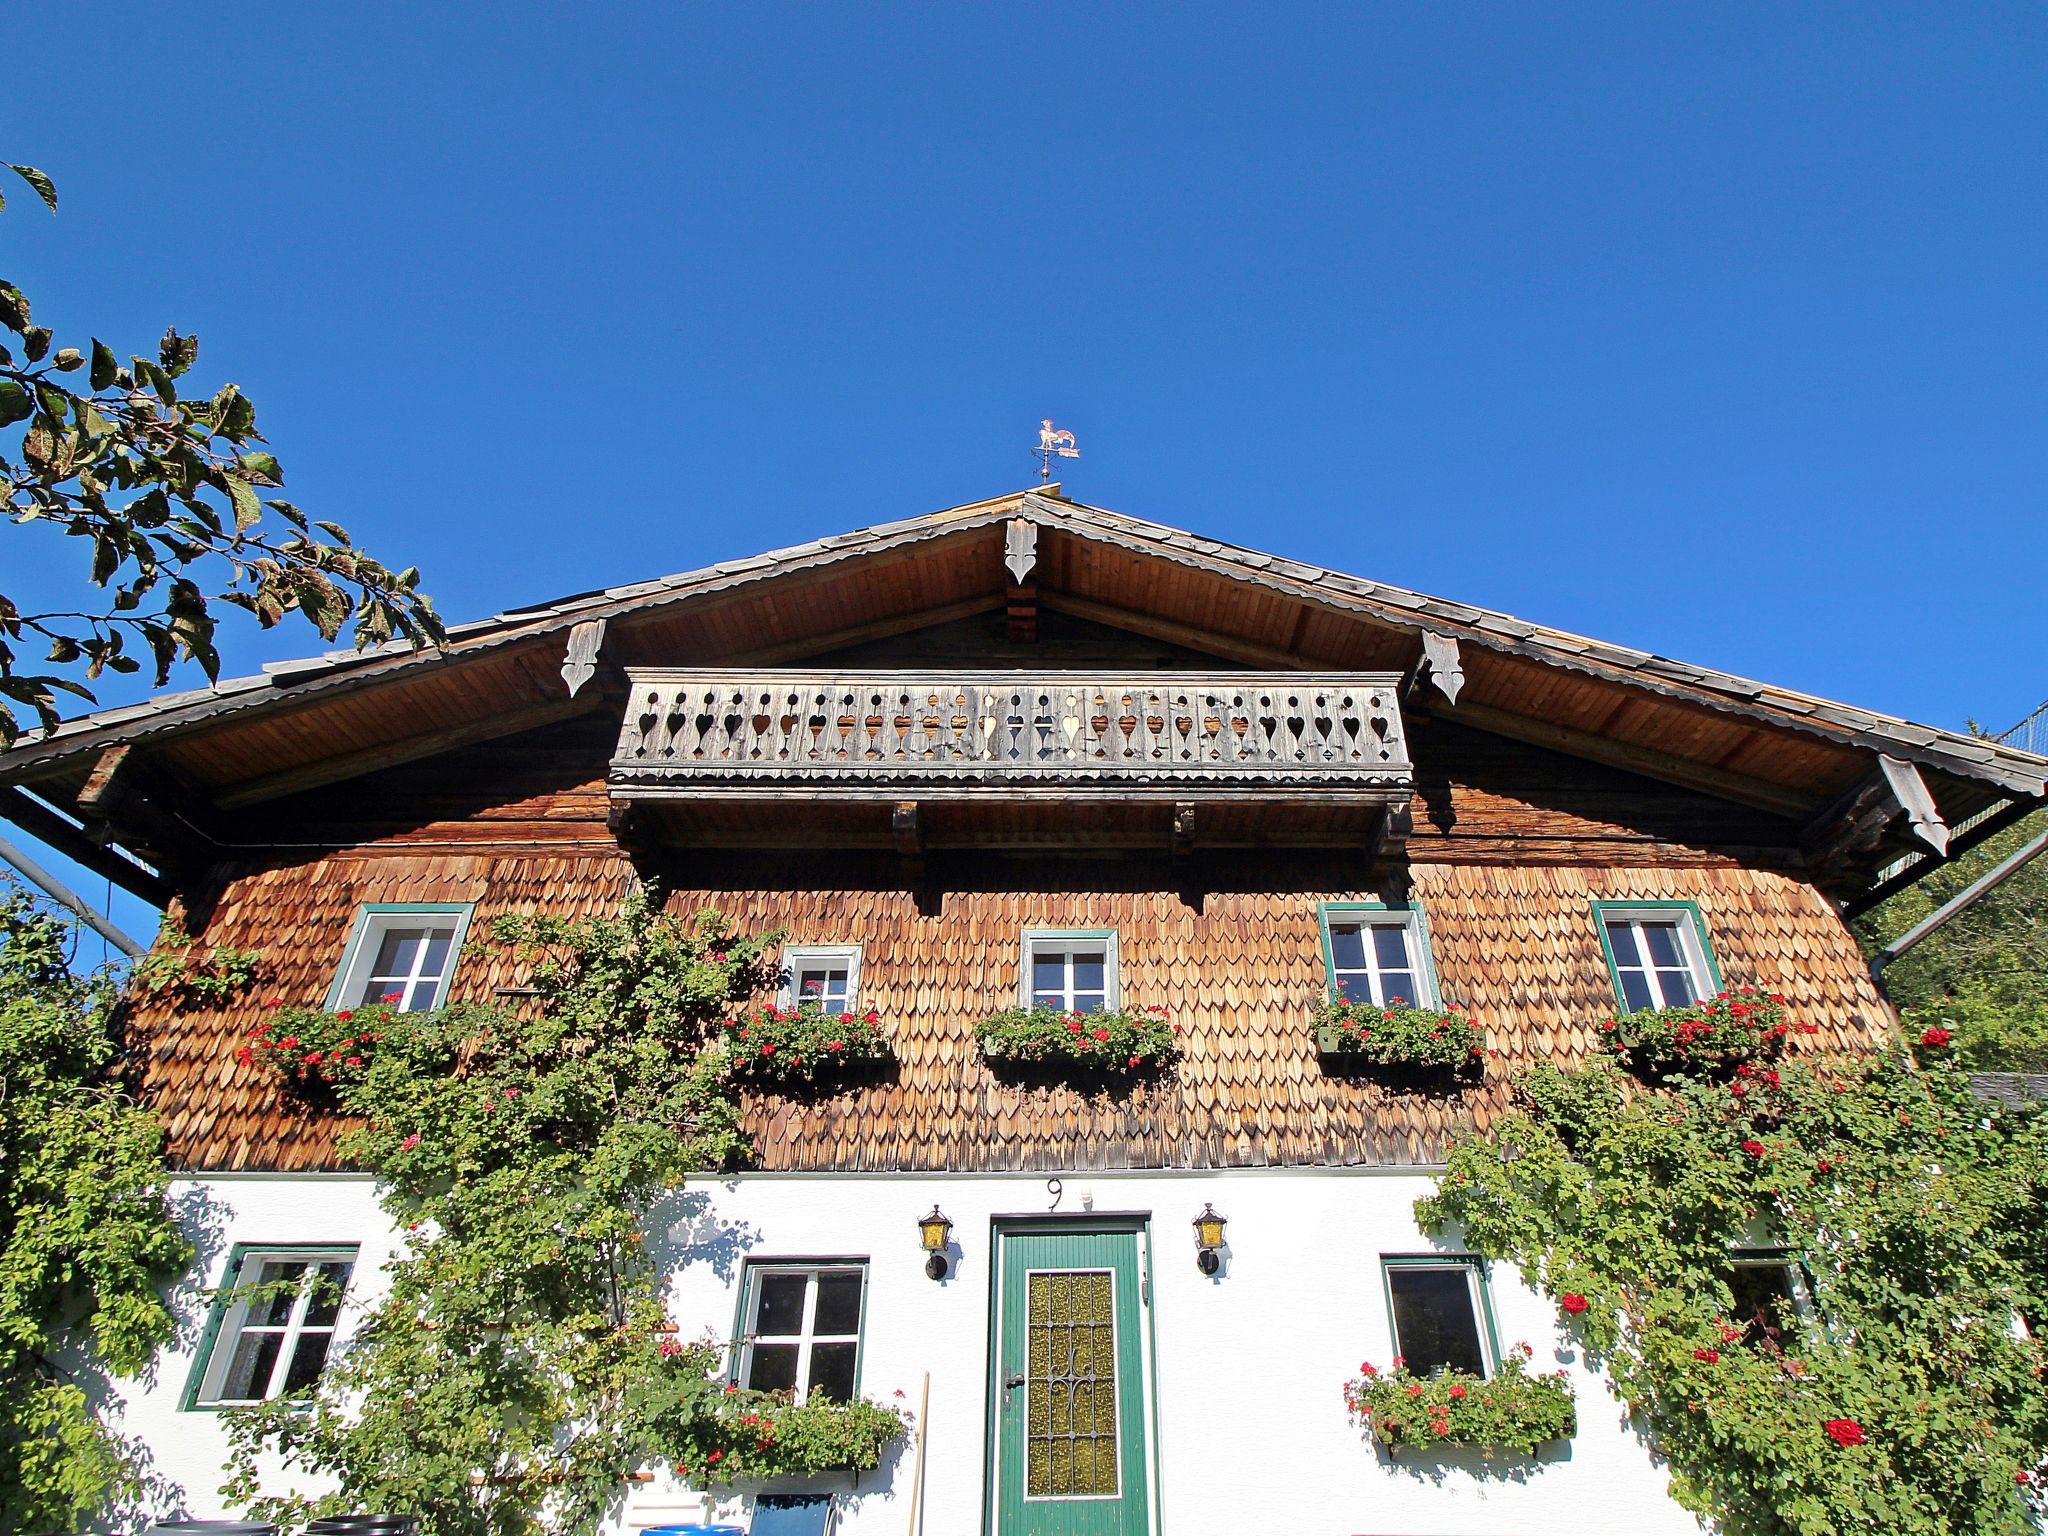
{"x": 1715, "y": 330}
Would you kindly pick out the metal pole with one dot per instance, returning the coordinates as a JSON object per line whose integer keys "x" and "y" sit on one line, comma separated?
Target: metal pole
{"x": 63, "y": 895}
{"x": 1959, "y": 903}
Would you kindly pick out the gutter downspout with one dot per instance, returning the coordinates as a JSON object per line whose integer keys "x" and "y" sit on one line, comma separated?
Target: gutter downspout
{"x": 63, "y": 895}
{"x": 1959, "y": 903}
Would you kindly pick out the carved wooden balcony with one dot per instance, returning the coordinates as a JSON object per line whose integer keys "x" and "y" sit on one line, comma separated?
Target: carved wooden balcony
{"x": 1002, "y": 735}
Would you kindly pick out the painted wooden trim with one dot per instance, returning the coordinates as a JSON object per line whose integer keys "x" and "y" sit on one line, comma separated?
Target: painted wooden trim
{"x": 1413, "y": 913}
{"x": 1699, "y": 927}
{"x": 751, "y": 1266}
{"x": 1476, "y": 1264}
{"x": 359, "y": 930}
{"x": 1112, "y": 969}
{"x": 223, "y": 1299}
{"x": 794, "y": 954}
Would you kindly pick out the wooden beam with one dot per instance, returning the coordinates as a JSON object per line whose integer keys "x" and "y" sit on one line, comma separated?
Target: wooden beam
{"x": 46, "y": 826}
{"x": 127, "y": 800}
{"x": 579, "y": 665}
{"x": 908, "y": 837}
{"x": 1923, "y": 819}
{"x": 860, "y": 634}
{"x": 1857, "y": 823}
{"x": 1650, "y": 763}
{"x": 389, "y": 754}
{"x": 1390, "y": 837}
{"x": 1183, "y": 827}
{"x": 1194, "y": 638}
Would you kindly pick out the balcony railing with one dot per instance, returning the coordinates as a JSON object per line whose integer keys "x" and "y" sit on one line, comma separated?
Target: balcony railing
{"x": 969, "y": 732}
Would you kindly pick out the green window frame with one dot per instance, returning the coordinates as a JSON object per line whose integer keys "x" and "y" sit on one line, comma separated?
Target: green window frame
{"x": 227, "y": 1317}
{"x": 1408, "y": 916}
{"x": 1055, "y": 938}
{"x": 1475, "y": 1269}
{"x": 747, "y": 1299}
{"x": 373, "y": 919}
{"x": 1692, "y": 925}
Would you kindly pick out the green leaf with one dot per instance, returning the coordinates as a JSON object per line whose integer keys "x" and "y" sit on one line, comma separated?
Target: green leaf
{"x": 248, "y": 508}
{"x": 263, "y": 468}
{"x": 35, "y": 341}
{"x": 13, "y": 307}
{"x": 46, "y": 189}
{"x": 15, "y": 404}
{"x": 106, "y": 368}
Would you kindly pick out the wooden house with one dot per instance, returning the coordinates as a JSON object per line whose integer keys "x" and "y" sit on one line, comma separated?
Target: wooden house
{"x": 1026, "y": 749}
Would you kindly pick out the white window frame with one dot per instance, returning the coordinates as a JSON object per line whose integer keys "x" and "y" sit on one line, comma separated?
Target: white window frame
{"x": 234, "y": 1323}
{"x": 1474, "y": 1270}
{"x": 352, "y": 976}
{"x": 1070, "y": 940}
{"x": 811, "y": 1269}
{"x": 1414, "y": 939}
{"x": 796, "y": 956}
{"x": 1803, "y": 1306}
{"x": 1691, "y": 945}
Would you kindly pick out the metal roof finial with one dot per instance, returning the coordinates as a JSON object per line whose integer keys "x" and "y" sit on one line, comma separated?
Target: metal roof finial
{"x": 1053, "y": 444}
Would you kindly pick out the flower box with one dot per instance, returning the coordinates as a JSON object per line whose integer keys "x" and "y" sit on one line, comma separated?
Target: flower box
{"x": 311, "y": 1048}
{"x": 714, "y": 1435}
{"x": 1739, "y": 1025}
{"x": 1512, "y": 1410}
{"x": 1111, "y": 1040}
{"x": 802, "y": 1044}
{"x": 1350, "y": 1033}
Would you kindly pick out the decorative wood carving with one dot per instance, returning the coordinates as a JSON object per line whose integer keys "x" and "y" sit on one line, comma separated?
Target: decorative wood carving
{"x": 1183, "y": 827}
{"x": 1910, "y": 791}
{"x": 1012, "y": 731}
{"x": 1441, "y": 666}
{"x": 580, "y": 665}
{"x": 1020, "y": 548}
{"x": 1390, "y": 837}
{"x": 1856, "y": 825}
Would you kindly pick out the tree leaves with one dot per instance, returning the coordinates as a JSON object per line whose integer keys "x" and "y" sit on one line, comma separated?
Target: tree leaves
{"x": 45, "y": 188}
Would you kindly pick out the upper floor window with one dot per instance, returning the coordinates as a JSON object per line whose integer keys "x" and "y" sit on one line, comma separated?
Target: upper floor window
{"x": 801, "y": 1328}
{"x": 825, "y": 974}
{"x": 1070, "y": 969}
{"x": 403, "y": 956}
{"x": 1657, "y": 953}
{"x": 1441, "y": 1317}
{"x": 1377, "y": 955}
{"x": 272, "y": 1325}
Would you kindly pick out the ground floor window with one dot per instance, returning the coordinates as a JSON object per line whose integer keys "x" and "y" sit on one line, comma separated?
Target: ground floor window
{"x": 273, "y": 1324}
{"x": 1772, "y": 1299}
{"x": 1440, "y": 1313}
{"x": 800, "y": 1327}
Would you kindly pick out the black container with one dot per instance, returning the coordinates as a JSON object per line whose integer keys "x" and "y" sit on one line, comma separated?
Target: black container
{"x": 363, "y": 1525}
{"x": 212, "y": 1528}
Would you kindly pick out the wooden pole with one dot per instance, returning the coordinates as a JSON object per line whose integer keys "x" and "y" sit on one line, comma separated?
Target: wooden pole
{"x": 924, "y": 1408}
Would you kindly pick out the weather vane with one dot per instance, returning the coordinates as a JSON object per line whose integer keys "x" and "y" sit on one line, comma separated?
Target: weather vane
{"x": 1053, "y": 444}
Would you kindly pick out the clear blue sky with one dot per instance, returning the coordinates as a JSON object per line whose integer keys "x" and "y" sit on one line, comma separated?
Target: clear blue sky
{"x": 1720, "y": 331}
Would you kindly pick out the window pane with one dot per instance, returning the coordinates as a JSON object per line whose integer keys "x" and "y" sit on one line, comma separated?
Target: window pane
{"x": 1661, "y": 939}
{"x": 1434, "y": 1320}
{"x": 1764, "y": 1306}
{"x": 307, "y": 1359}
{"x": 1622, "y": 939}
{"x": 832, "y": 1370}
{"x": 396, "y": 953}
{"x": 1347, "y": 947}
{"x": 1397, "y": 987}
{"x": 248, "y": 1377}
{"x": 1679, "y": 990}
{"x": 838, "y": 1303}
{"x": 324, "y": 1305}
{"x": 781, "y": 1309}
{"x": 1390, "y": 945}
{"x": 774, "y": 1368}
{"x": 1355, "y": 987}
{"x": 272, "y": 1305}
{"x": 1635, "y": 990}
{"x": 1048, "y": 972}
{"x": 1088, "y": 973}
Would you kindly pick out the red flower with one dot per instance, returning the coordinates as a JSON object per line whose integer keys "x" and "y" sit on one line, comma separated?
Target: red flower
{"x": 1572, "y": 1302}
{"x": 1073, "y": 1026}
{"x": 1368, "y": 1370}
{"x": 245, "y": 1056}
{"x": 1134, "y": 1061}
{"x": 714, "y": 1456}
{"x": 353, "y": 1061}
{"x": 670, "y": 1349}
{"x": 835, "y": 1045}
{"x": 410, "y": 1142}
{"x": 1753, "y": 1147}
{"x": 1457, "y": 1391}
{"x": 1101, "y": 1034}
{"x": 275, "y": 1002}
{"x": 1844, "y": 1432}
{"x": 392, "y": 997}
{"x": 1729, "y": 1335}
{"x": 345, "y": 1015}
{"x": 1415, "y": 1389}
{"x": 768, "y": 1050}
{"x": 311, "y": 1058}
{"x": 1935, "y": 1036}
{"x": 289, "y": 1041}
{"x": 1708, "y": 1355}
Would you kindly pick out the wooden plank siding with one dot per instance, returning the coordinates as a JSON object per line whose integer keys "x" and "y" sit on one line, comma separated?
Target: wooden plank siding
{"x": 1510, "y": 847}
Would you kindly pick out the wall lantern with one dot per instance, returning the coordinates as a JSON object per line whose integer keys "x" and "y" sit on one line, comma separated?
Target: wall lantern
{"x": 1208, "y": 1239}
{"x": 933, "y": 1232}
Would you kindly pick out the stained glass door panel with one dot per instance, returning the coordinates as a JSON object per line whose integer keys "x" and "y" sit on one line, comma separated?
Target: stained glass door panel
{"x": 1070, "y": 1448}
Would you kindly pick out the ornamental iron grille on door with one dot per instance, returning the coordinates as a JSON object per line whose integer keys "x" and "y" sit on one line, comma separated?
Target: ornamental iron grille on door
{"x": 1069, "y": 1450}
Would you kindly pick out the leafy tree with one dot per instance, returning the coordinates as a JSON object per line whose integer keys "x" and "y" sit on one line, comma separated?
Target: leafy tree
{"x": 86, "y": 1235}
{"x": 1912, "y": 1401}
{"x": 1983, "y": 976}
{"x": 168, "y": 489}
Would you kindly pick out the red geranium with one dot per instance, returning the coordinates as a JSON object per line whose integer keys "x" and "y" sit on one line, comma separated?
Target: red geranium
{"x": 1710, "y": 1356}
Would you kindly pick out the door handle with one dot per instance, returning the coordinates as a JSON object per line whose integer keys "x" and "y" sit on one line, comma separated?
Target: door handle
{"x": 1013, "y": 1381}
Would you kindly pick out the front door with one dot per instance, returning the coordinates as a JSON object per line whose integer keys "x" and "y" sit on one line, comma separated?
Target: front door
{"x": 1069, "y": 1400}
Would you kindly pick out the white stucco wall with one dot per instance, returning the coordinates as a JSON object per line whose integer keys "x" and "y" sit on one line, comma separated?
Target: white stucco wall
{"x": 1252, "y": 1432}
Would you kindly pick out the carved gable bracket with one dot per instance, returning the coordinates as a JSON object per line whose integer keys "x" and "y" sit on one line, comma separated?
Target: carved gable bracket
{"x": 1858, "y": 823}
{"x": 1439, "y": 666}
{"x": 579, "y": 666}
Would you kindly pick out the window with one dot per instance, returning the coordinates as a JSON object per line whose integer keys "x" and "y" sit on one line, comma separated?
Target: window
{"x": 828, "y": 975}
{"x": 272, "y": 1324}
{"x": 1070, "y": 969}
{"x": 1377, "y": 955}
{"x": 801, "y": 1328}
{"x": 1442, "y": 1320}
{"x": 1771, "y": 1297}
{"x": 1657, "y": 953}
{"x": 400, "y": 955}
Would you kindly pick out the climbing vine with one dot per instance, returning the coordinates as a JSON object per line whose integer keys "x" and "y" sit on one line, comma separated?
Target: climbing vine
{"x": 1912, "y": 1399}
{"x": 521, "y": 1363}
{"x": 86, "y": 1234}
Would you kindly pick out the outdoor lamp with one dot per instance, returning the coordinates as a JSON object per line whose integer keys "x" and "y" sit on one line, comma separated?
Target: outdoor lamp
{"x": 1208, "y": 1239}
{"x": 932, "y": 1234}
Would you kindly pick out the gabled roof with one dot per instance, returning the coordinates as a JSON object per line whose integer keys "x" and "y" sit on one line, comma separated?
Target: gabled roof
{"x": 1773, "y": 747}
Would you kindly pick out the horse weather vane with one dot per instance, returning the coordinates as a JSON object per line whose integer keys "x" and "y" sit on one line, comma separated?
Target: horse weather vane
{"x": 1053, "y": 443}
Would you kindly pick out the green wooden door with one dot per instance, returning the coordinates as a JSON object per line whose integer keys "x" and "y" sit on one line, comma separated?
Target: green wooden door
{"x": 1069, "y": 1393}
